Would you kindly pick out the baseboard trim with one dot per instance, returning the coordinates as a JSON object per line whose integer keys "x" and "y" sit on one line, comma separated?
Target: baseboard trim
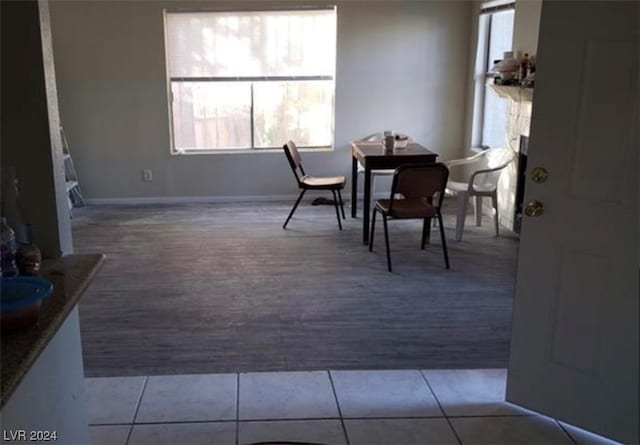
{"x": 207, "y": 199}
{"x": 187, "y": 199}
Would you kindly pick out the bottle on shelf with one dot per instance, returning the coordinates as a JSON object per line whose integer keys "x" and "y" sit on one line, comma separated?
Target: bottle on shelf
{"x": 524, "y": 67}
{"x": 532, "y": 64}
{"x": 11, "y": 204}
{"x": 28, "y": 256}
{"x": 8, "y": 250}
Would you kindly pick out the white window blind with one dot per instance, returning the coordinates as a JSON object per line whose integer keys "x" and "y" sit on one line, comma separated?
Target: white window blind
{"x": 251, "y": 79}
{"x": 254, "y": 43}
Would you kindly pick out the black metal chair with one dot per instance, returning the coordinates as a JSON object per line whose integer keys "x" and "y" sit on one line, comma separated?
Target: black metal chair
{"x": 419, "y": 185}
{"x": 307, "y": 182}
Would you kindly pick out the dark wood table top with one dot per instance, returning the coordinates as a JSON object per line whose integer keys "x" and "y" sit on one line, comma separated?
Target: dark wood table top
{"x": 371, "y": 154}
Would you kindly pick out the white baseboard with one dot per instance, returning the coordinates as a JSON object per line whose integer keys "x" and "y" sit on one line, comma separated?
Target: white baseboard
{"x": 207, "y": 199}
{"x": 214, "y": 199}
{"x": 187, "y": 199}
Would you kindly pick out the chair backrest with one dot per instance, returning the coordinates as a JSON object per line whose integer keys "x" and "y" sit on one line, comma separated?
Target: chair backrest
{"x": 295, "y": 162}
{"x": 420, "y": 181}
{"x": 496, "y": 160}
{"x": 498, "y": 157}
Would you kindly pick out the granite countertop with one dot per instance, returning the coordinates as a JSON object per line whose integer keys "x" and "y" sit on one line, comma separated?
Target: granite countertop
{"x": 70, "y": 276}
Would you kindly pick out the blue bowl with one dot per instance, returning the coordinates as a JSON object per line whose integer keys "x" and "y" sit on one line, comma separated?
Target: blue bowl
{"x": 21, "y": 292}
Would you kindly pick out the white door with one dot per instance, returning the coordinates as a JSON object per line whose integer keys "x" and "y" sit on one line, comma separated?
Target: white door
{"x": 574, "y": 347}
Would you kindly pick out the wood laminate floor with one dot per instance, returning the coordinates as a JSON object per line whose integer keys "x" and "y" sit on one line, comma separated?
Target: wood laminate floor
{"x": 210, "y": 288}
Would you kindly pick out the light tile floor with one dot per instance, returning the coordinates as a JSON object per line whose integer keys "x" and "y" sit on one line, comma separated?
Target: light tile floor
{"x": 399, "y": 407}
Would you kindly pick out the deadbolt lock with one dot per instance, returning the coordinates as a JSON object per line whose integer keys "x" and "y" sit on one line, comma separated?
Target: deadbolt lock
{"x": 539, "y": 175}
{"x": 534, "y": 208}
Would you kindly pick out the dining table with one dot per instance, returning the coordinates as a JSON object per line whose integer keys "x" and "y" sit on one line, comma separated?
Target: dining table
{"x": 372, "y": 156}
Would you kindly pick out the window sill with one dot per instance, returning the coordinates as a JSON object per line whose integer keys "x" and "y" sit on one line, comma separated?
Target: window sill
{"x": 248, "y": 151}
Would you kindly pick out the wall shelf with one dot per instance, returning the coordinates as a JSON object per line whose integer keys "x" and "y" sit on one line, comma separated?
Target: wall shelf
{"x": 513, "y": 92}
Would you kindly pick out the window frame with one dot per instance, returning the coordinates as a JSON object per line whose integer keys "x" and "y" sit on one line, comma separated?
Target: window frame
{"x": 480, "y": 68}
{"x": 253, "y": 149}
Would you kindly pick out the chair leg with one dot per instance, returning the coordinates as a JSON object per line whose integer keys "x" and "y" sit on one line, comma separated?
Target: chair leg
{"x": 444, "y": 241}
{"x": 372, "y": 201}
{"x": 341, "y": 204}
{"x": 386, "y": 240}
{"x": 426, "y": 231}
{"x": 478, "y": 211}
{"x": 336, "y": 205}
{"x": 463, "y": 200}
{"x": 494, "y": 203}
{"x": 295, "y": 206}
{"x": 373, "y": 229}
{"x": 355, "y": 174}
{"x": 434, "y": 221}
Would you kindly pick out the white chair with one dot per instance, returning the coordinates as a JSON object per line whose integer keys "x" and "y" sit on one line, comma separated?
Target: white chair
{"x": 482, "y": 182}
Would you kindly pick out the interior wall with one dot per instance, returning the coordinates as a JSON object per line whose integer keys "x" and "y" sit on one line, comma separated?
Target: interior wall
{"x": 31, "y": 145}
{"x": 400, "y": 65}
{"x": 526, "y": 25}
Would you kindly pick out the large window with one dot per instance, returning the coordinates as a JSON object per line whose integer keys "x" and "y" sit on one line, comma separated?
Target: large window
{"x": 251, "y": 79}
{"x": 495, "y": 36}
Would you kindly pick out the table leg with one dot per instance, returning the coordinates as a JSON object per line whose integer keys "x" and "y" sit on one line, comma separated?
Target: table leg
{"x": 354, "y": 186}
{"x": 366, "y": 204}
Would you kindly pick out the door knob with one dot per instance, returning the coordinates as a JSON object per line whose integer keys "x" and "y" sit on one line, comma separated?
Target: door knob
{"x": 534, "y": 208}
{"x": 539, "y": 175}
